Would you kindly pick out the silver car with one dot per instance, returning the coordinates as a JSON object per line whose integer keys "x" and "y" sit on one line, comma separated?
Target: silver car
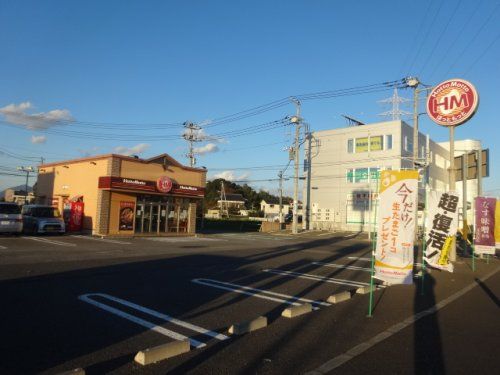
{"x": 11, "y": 220}
{"x": 40, "y": 219}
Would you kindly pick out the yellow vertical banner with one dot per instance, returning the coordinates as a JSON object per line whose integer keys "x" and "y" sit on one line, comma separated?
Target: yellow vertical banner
{"x": 396, "y": 226}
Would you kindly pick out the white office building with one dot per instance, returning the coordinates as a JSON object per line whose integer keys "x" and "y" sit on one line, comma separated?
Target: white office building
{"x": 344, "y": 163}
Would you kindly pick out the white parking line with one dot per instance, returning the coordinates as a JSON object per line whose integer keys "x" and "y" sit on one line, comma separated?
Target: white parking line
{"x": 259, "y": 293}
{"x": 162, "y": 316}
{"x": 101, "y": 239}
{"x": 325, "y": 279}
{"x": 181, "y": 239}
{"x": 255, "y": 237}
{"x": 166, "y": 332}
{"x": 53, "y": 242}
{"x": 361, "y": 259}
{"x": 334, "y": 265}
{"x": 3, "y": 247}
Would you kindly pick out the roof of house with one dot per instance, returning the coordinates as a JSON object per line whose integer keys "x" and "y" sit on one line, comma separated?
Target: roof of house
{"x": 235, "y": 198}
{"x": 159, "y": 159}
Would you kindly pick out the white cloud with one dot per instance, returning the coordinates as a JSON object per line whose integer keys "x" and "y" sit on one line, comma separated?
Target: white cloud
{"x": 207, "y": 149}
{"x": 134, "y": 150}
{"x": 230, "y": 176}
{"x": 17, "y": 114}
{"x": 38, "y": 139}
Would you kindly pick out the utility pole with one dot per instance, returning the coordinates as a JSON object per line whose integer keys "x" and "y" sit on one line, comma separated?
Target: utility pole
{"x": 307, "y": 201}
{"x": 296, "y": 149}
{"x": 191, "y": 135}
{"x": 413, "y": 82}
{"x": 222, "y": 200}
{"x": 26, "y": 170}
{"x": 280, "y": 175}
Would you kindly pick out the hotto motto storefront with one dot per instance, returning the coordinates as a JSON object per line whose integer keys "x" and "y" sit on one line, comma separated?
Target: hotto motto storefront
{"x": 124, "y": 195}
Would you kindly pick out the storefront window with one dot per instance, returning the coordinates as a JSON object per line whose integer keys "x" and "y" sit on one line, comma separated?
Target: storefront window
{"x": 183, "y": 215}
{"x": 173, "y": 216}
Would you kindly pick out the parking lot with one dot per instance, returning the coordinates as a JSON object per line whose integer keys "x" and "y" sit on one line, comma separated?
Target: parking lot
{"x": 79, "y": 301}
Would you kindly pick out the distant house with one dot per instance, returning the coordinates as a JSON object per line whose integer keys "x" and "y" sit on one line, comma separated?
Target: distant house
{"x": 271, "y": 208}
{"x": 18, "y": 196}
{"x": 233, "y": 202}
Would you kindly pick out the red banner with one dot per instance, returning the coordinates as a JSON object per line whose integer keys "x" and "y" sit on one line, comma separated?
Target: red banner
{"x": 76, "y": 217}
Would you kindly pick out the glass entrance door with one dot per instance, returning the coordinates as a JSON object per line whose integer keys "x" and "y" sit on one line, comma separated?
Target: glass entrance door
{"x": 161, "y": 215}
{"x": 139, "y": 215}
{"x": 146, "y": 219}
{"x": 154, "y": 225}
{"x": 163, "y": 218}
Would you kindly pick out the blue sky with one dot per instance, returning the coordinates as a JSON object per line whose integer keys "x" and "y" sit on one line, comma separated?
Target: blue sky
{"x": 161, "y": 62}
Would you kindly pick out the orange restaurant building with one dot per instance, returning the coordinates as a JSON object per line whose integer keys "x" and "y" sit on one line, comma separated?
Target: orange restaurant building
{"x": 125, "y": 195}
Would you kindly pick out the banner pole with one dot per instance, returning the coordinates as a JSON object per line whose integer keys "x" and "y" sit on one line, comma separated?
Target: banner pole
{"x": 473, "y": 239}
{"x": 372, "y": 273}
{"x": 473, "y": 260}
{"x": 424, "y": 246}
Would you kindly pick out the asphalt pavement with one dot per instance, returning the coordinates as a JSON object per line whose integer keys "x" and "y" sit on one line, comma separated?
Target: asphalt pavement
{"x": 81, "y": 301}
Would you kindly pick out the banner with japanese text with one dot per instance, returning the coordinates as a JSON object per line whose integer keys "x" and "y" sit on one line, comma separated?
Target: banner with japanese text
{"x": 396, "y": 226}
{"x": 441, "y": 225}
{"x": 484, "y": 237}
{"x": 497, "y": 225}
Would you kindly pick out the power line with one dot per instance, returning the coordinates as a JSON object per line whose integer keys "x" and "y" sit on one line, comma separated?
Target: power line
{"x": 417, "y": 33}
{"x": 426, "y": 36}
{"x": 441, "y": 34}
{"x": 482, "y": 54}
{"x": 473, "y": 39}
{"x": 457, "y": 38}
{"x": 223, "y": 119}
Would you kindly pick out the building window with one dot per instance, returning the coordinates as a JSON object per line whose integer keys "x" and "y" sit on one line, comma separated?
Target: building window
{"x": 374, "y": 174}
{"x": 377, "y": 143}
{"x": 361, "y": 175}
{"x": 408, "y": 144}
{"x": 350, "y": 146}
{"x": 350, "y": 175}
{"x": 388, "y": 142}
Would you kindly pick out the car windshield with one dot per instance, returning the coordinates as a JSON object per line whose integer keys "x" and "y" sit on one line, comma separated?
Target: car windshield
{"x": 9, "y": 209}
{"x": 45, "y": 212}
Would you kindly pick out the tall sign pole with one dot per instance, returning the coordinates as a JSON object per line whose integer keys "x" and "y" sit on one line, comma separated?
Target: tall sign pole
{"x": 452, "y": 103}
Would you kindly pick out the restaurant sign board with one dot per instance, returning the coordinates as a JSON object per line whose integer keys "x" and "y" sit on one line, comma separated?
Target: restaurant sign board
{"x": 452, "y": 102}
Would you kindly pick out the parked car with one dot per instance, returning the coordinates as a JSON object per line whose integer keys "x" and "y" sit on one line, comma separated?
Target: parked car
{"x": 11, "y": 220}
{"x": 38, "y": 219}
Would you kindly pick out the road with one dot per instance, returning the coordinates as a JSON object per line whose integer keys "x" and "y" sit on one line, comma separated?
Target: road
{"x": 79, "y": 301}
